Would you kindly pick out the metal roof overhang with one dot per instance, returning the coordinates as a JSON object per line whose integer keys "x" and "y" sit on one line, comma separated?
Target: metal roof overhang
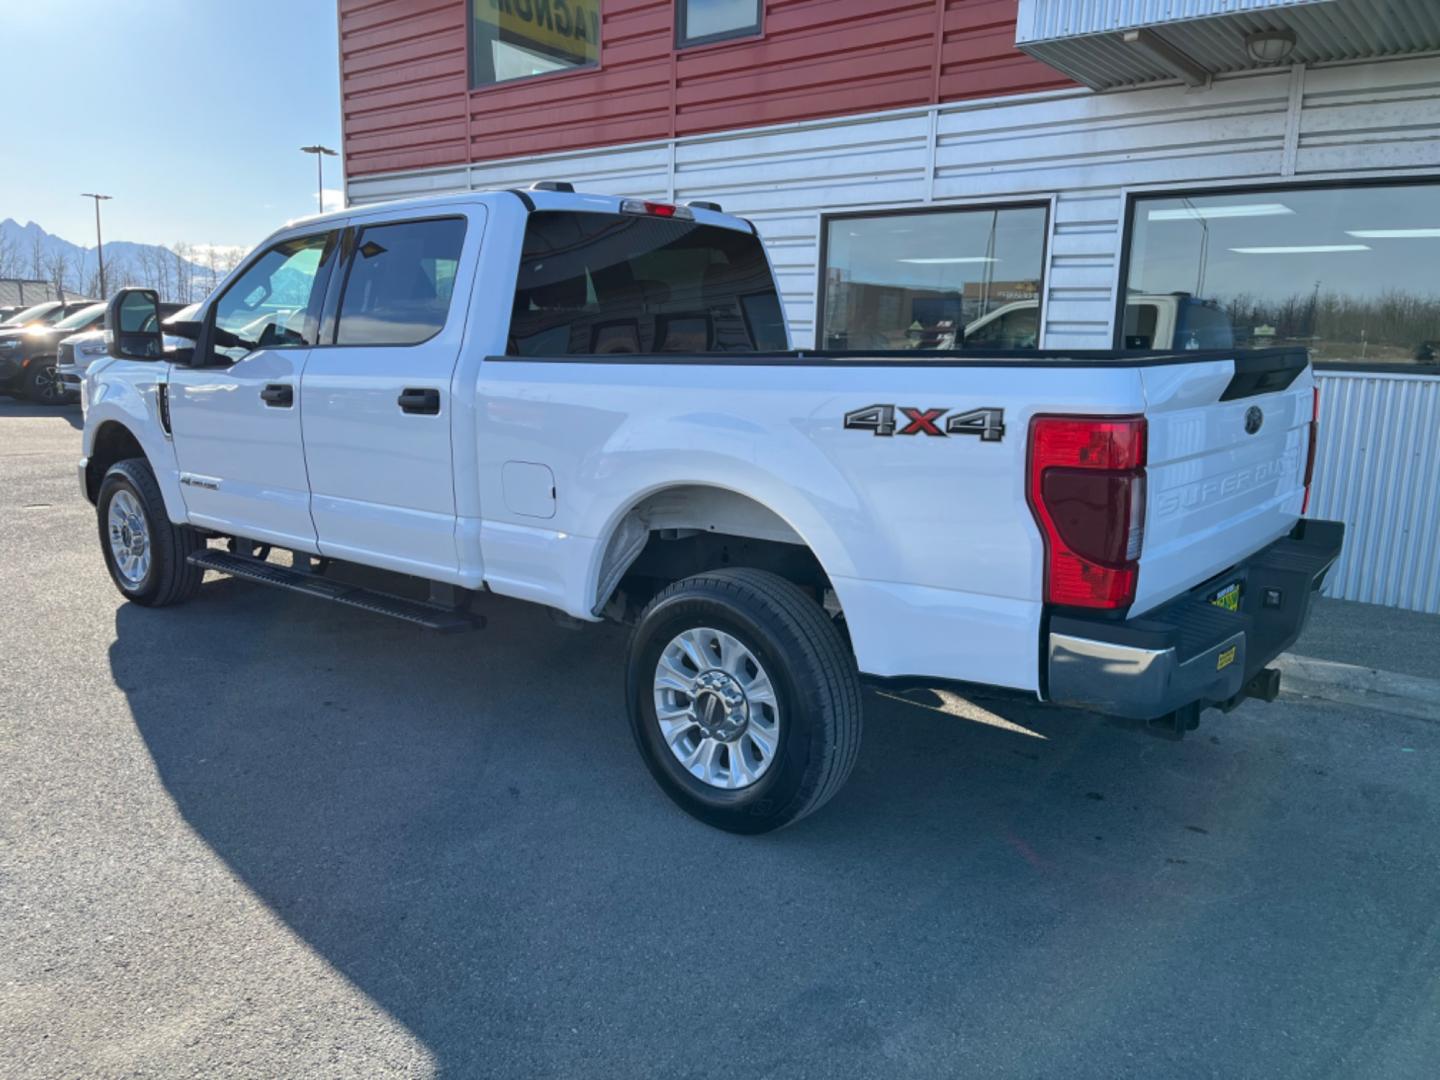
{"x": 1111, "y": 43}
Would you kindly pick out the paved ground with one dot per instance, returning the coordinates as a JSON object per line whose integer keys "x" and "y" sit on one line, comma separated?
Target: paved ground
{"x": 1405, "y": 642}
{"x": 262, "y": 836}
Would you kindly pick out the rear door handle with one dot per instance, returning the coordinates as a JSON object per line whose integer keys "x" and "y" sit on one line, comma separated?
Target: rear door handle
{"x": 278, "y": 395}
{"x": 425, "y": 402}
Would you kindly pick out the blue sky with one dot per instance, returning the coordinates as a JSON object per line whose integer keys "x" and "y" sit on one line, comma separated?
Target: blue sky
{"x": 189, "y": 112}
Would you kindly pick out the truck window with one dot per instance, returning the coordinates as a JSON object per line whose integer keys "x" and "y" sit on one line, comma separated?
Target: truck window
{"x": 1201, "y": 325}
{"x": 400, "y": 281}
{"x": 272, "y": 304}
{"x": 598, "y": 284}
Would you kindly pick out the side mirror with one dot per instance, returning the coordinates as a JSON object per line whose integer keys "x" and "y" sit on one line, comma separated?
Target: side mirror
{"x": 132, "y": 319}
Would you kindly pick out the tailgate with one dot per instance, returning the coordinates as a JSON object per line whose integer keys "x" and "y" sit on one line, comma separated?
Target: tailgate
{"x": 1225, "y": 469}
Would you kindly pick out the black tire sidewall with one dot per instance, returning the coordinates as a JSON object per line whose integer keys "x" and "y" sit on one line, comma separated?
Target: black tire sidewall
{"x": 778, "y": 795}
{"x": 115, "y": 481}
{"x": 57, "y": 395}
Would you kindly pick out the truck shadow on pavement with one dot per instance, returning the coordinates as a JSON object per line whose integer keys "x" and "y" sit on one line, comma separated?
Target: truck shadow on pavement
{"x": 462, "y": 827}
{"x": 17, "y": 407}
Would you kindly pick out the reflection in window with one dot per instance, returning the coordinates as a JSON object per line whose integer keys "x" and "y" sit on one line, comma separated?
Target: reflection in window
{"x": 514, "y": 39}
{"x": 1352, "y": 273}
{"x": 400, "y": 282}
{"x": 938, "y": 280}
{"x": 699, "y": 21}
{"x": 273, "y": 303}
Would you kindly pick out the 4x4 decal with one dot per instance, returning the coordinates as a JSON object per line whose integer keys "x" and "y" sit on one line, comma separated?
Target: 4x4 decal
{"x": 989, "y": 424}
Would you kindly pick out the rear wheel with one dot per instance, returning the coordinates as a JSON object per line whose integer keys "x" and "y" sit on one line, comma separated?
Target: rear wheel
{"x": 144, "y": 552}
{"x": 42, "y": 385}
{"x": 744, "y": 699}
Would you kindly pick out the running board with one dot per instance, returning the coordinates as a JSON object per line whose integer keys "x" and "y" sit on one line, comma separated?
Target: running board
{"x": 431, "y": 616}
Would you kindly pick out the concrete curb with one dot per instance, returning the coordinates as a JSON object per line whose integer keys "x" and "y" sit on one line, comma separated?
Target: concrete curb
{"x": 1351, "y": 684}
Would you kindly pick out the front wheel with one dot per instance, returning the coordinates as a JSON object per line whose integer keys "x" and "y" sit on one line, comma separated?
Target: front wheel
{"x": 744, "y": 699}
{"x": 144, "y": 552}
{"x": 42, "y": 385}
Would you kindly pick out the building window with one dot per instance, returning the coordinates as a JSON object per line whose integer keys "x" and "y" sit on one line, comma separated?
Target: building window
{"x": 946, "y": 279}
{"x": 1349, "y": 272}
{"x": 515, "y": 39}
{"x": 700, "y": 21}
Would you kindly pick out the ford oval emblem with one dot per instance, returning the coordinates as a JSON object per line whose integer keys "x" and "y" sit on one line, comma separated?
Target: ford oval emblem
{"x": 1254, "y": 417}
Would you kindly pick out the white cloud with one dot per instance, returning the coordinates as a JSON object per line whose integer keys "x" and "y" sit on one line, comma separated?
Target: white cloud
{"x": 332, "y": 199}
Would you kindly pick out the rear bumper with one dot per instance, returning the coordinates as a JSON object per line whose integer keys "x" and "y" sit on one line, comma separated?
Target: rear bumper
{"x": 1190, "y": 652}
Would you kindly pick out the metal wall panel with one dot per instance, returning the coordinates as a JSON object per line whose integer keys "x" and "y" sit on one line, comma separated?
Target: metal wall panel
{"x": 1085, "y": 151}
{"x": 1083, "y": 38}
{"x": 1040, "y": 20}
{"x": 406, "y": 103}
{"x": 1378, "y": 470}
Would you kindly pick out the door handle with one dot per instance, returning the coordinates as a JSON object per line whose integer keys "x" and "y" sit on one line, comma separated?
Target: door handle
{"x": 278, "y": 395}
{"x": 424, "y": 402}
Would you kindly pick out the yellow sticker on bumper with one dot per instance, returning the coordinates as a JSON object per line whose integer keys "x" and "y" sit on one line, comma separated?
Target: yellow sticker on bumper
{"x": 1225, "y": 659}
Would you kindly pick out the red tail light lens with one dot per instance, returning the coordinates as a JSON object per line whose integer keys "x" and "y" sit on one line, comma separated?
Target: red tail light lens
{"x": 1087, "y": 492}
{"x": 656, "y": 209}
{"x": 1310, "y": 458}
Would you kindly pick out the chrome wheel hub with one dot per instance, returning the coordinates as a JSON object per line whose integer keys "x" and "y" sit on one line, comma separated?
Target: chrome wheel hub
{"x": 716, "y": 708}
{"x": 129, "y": 538}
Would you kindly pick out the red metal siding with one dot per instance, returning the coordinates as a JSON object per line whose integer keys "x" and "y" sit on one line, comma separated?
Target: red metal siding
{"x": 406, "y": 103}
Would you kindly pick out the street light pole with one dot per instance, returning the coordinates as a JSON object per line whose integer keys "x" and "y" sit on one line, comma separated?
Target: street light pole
{"x": 99, "y": 244}
{"x": 321, "y": 153}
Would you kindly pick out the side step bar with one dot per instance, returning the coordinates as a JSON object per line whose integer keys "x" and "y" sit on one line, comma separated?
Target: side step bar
{"x": 431, "y": 616}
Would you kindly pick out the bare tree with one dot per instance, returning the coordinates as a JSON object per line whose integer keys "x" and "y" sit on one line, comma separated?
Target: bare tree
{"x": 57, "y": 271}
{"x": 9, "y": 258}
{"x": 184, "y": 271}
{"x": 37, "y": 259}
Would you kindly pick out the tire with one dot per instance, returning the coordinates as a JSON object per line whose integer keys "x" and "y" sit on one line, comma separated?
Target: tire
{"x": 164, "y": 577}
{"x": 42, "y": 385}
{"x": 811, "y": 712}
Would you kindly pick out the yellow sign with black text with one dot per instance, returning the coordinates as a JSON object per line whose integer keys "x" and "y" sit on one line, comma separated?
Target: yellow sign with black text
{"x": 567, "y": 30}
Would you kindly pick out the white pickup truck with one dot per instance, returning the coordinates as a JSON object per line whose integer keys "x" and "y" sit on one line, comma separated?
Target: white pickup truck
{"x": 587, "y": 402}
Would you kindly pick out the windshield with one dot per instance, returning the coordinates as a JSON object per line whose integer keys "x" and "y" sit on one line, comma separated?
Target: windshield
{"x": 82, "y": 318}
{"x": 32, "y": 314}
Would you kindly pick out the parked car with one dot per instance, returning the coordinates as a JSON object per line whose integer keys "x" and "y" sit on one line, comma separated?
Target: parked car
{"x": 1152, "y": 321}
{"x": 76, "y": 353}
{"x": 44, "y": 313}
{"x": 10, "y": 310}
{"x": 594, "y": 409}
{"x": 28, "y": 355}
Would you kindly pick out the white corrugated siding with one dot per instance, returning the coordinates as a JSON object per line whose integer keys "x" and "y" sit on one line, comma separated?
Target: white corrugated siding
{"x": 1083, "y": 38}
{"x": 1081, "y": 149}
{"x": 1039, "y": 20}
{"x": 1378, "y": 470}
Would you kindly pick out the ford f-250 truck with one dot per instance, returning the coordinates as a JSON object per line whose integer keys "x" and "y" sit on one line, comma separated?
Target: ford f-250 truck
{"x": 587, "y": 402}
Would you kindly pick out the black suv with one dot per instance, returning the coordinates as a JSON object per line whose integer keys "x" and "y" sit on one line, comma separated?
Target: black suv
{"x": 30, "y": 340}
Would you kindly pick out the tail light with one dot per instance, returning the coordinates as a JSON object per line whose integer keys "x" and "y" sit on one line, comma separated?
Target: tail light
{"x": 1086, "y": 488}
{"x": 1310, "y": 457}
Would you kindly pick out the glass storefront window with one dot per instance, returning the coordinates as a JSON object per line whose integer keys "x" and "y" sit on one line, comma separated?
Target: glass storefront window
{"x": 1352, "y": 273}
{"x": 944, "y": 279}
{"x": 515, "y": 39}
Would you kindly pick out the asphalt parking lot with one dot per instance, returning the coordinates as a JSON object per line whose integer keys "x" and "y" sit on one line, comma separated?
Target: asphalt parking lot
{"x": 259, "y": 835}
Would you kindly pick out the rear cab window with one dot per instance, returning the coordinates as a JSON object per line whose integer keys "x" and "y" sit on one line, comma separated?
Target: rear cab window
{"x": 610, "y": 284}
{"x": 400, "y": 282}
